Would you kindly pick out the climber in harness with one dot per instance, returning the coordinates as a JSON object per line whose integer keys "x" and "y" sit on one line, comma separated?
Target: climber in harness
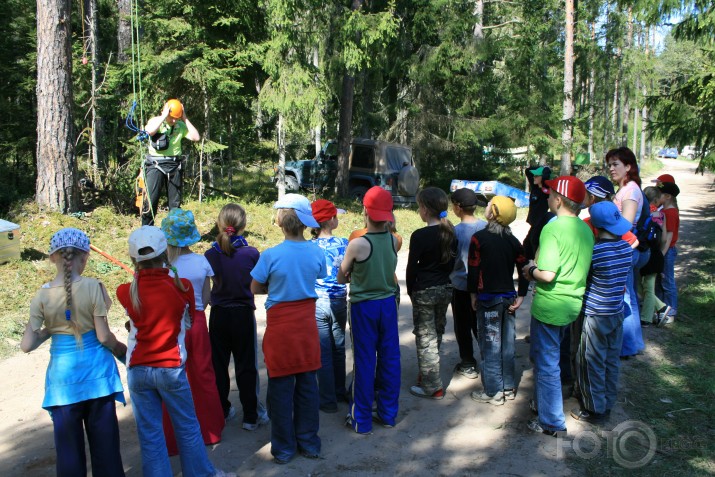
{"x": 163, "y": 161}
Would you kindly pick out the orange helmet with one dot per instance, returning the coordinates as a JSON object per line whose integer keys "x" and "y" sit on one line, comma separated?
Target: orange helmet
{"x": 176, "y": 110}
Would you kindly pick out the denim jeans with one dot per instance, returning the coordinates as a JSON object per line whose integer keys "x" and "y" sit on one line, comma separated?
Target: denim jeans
{"x": 149, "y": 387}
{"x": 670, "y": 291}
{"x": 293, "y": 407}
{"x": 497, "y": 335}
{"x": 598, "y": 361}
{"x": 331, "y": 316}
{"x": 545, "y": 354}
{"x": 632, "y": 333}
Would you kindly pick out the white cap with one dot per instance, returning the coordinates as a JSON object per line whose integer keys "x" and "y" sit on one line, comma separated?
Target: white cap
{"x": 147, "y": 236}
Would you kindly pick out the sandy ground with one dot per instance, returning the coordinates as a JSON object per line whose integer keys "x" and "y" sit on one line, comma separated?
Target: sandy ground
{"x": 454, "y": 436}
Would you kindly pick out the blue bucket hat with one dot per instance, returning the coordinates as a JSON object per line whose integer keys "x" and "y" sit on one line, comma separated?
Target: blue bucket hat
{"x": 605, "y": 215}
{"x": 180, "y": 228}
{"x": 600, "y": 186}
{"x": 69, "y": 237}
{"x": 302, "y": 208}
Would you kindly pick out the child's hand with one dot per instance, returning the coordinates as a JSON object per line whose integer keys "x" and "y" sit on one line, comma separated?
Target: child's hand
{"x": 525, "y": 270}
{"x": 120, "y": 351}
{"x": 128, "y": 326}
{"x": 517, "y": 303}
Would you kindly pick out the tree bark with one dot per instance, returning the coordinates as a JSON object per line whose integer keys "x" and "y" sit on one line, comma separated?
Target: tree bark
{"x": 345, "y": 125}
{"x": 56, "y": 171}
{"x": 280, "y": 139}
{"x": 124, "y": 30}
{"x": 97, "y": 125}
{"x": 478, "y": 32}
{"x": 591, "y": 97}
{"x": 317, "y": 130}
{"x": 568, "y": 107}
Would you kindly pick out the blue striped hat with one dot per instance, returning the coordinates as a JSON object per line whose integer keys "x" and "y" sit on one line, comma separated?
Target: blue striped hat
{"x": 69, "y": 237}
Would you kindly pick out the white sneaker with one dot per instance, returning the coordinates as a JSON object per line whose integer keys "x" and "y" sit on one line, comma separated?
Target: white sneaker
{"x": 262, "y": 419}
{"x": 231, "y": 413}
{"x": 221, "y": 473}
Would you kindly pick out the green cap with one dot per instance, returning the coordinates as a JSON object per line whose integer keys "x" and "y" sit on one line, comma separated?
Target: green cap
{"x": 539, "y": 171}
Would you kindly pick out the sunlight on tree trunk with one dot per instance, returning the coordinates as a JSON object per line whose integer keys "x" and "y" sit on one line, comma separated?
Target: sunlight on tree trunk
{"x": 568, "y": 109}
{"x": 56, "y": 181}
{"x": 280, "y": 138}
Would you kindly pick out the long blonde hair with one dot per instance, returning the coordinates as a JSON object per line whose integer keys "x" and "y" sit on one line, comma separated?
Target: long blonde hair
{"x": 157, "y": 262}
{"x": 70, "y": 257}
{"x": 231, "y": 216}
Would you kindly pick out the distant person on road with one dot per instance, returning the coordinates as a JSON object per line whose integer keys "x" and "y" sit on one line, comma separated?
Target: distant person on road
{"x": 464, "y": 202}
{"x": 82, "y": 381}
{"x": 162, "y": 166}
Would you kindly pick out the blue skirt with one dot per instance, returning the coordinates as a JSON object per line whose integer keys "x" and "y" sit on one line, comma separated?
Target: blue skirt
{"x": 76, "y": 374}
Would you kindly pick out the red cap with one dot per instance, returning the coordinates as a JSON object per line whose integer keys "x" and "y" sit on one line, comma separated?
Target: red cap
{"x": 323, "y": 210}
{"x": 569, "y": 186}
{"x": 378, "y": 204}
{"x": 665, "y": 178}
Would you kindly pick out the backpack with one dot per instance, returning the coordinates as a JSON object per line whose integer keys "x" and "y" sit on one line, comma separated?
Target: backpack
{"x": 649, "y": 234}
{"x": 160, "y": 140}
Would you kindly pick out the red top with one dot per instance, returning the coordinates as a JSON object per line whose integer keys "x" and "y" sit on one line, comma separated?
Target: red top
{"x": 157, "y": 332}
{"x": 672, "y": 223}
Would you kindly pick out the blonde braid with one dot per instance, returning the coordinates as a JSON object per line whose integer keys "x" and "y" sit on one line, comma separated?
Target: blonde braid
{"x": 68, "y": 255}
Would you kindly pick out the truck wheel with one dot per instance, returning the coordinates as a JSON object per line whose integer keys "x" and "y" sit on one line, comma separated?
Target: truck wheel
{"x": 408, "y": 181}
{"x": 292, "y": 184}
{"x": 357, "y": 193}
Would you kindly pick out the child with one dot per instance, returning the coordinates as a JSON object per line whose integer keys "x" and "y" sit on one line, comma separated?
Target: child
{"x": 493, "y": 253}
{"x": 651, "y": 303}
{"x": 331, "y": 308}
{"x": 565, "y": 249}
{"x": 291, "y": 347}
{"x": 464, "y": 201}
{"x": 82, "y": 380}
{"x": 600, "y": 342}
{"x": 669, "y": 292}
{"x": 233, "y": 321}
{"x": 431, "y": 260}
{"x": 160, "y": 310}
{"x": 369, "y": 264}
{"x": 181, "y": 232}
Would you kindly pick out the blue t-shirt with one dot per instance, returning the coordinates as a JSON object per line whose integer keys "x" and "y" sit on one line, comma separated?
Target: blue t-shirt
{"x": 290, "y": 269}
{"x": 463, "y": 232}
{"x": 334, "y": 251}
{"x": 606, "y": 285}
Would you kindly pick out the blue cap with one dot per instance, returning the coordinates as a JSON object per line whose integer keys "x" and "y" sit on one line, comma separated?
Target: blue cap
{"x": 600, "y": 186}
{"x": 69, "y": 237}
{"x": 180, "y": 228}
{"x": 302, "y": 208}
{"x": 605, "y": 215}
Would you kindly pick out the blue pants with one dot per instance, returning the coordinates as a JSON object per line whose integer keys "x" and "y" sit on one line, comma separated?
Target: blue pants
{"x": 668, "y": 291}
{"x": 98, "y": 417}
{"x": 598, "y": 361}
{"x": 150, "y": 387}
{"x": 293, "y": 408}
{"x": 376, "y": 352}
{"x": 632, "y": 333}
{"x": 331, "y": 316}
{"x": 546, "y": 353}
{"x": 497, "y": 335}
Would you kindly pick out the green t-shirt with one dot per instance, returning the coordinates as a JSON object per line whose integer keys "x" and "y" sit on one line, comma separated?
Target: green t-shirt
{"x": 176, "y": 134}
{"x": 565, "y": 248}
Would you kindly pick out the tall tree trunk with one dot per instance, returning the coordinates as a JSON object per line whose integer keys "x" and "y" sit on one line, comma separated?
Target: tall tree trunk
{"x": 635, "y": 118}
{"x": 644, "y": 124}
{"x": 280, "y": 131}
{"x": 56, "y": 175}
{"x": 591, "y": 97}
{"x": 258, "y": 125}
{"x": 317, "y": 130}
{"x": 97, "y": 126}
{"x": 207, "y": 136}
{"x": 124, "y": 30}
{"x": 568, "y": 108}
{"x": 345, "y": 125}
{"x": 478, "y": 32}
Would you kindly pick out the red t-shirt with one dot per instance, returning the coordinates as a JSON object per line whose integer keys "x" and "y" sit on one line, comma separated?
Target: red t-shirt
{"x": 157, "y": 332}
{"x": 672, "y": 223}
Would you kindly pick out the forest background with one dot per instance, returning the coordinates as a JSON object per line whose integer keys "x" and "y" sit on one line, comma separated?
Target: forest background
{"x": 261, "y": 80}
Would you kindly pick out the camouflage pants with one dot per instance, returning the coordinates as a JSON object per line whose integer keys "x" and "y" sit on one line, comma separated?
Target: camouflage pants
{"x": 429, "y": 314}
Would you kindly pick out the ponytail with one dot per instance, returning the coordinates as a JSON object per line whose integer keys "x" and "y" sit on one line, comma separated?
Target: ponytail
{"x": 68, "y": 258}
{"x": 436, "y": 203}
{"x": 231, "y": 222}
{"x": 160, "y": 261}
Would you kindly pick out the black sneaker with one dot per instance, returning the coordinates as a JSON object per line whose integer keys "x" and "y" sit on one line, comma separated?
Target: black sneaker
{"x": 583, "y": 415}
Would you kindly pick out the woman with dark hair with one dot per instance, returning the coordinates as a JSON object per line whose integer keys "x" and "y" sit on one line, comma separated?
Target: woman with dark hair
{"x": 623, "y": 169}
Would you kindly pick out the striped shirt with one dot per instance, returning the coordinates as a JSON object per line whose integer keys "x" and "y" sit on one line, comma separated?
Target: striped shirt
{"x": 607, "y": 279}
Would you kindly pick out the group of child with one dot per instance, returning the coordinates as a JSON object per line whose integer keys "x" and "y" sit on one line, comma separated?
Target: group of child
{"x": 177, "y": 366}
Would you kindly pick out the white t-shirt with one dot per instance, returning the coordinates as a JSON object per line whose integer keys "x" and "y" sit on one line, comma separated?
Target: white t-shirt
{"x": 630, "y": 191}
{"x": 194, "y": 268}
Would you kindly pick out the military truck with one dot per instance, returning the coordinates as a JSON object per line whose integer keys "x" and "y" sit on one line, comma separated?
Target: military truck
{"x": 372, "y": 163}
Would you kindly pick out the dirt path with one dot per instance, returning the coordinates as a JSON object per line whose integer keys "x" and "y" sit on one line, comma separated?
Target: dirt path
{"x": 455, "y": 436}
